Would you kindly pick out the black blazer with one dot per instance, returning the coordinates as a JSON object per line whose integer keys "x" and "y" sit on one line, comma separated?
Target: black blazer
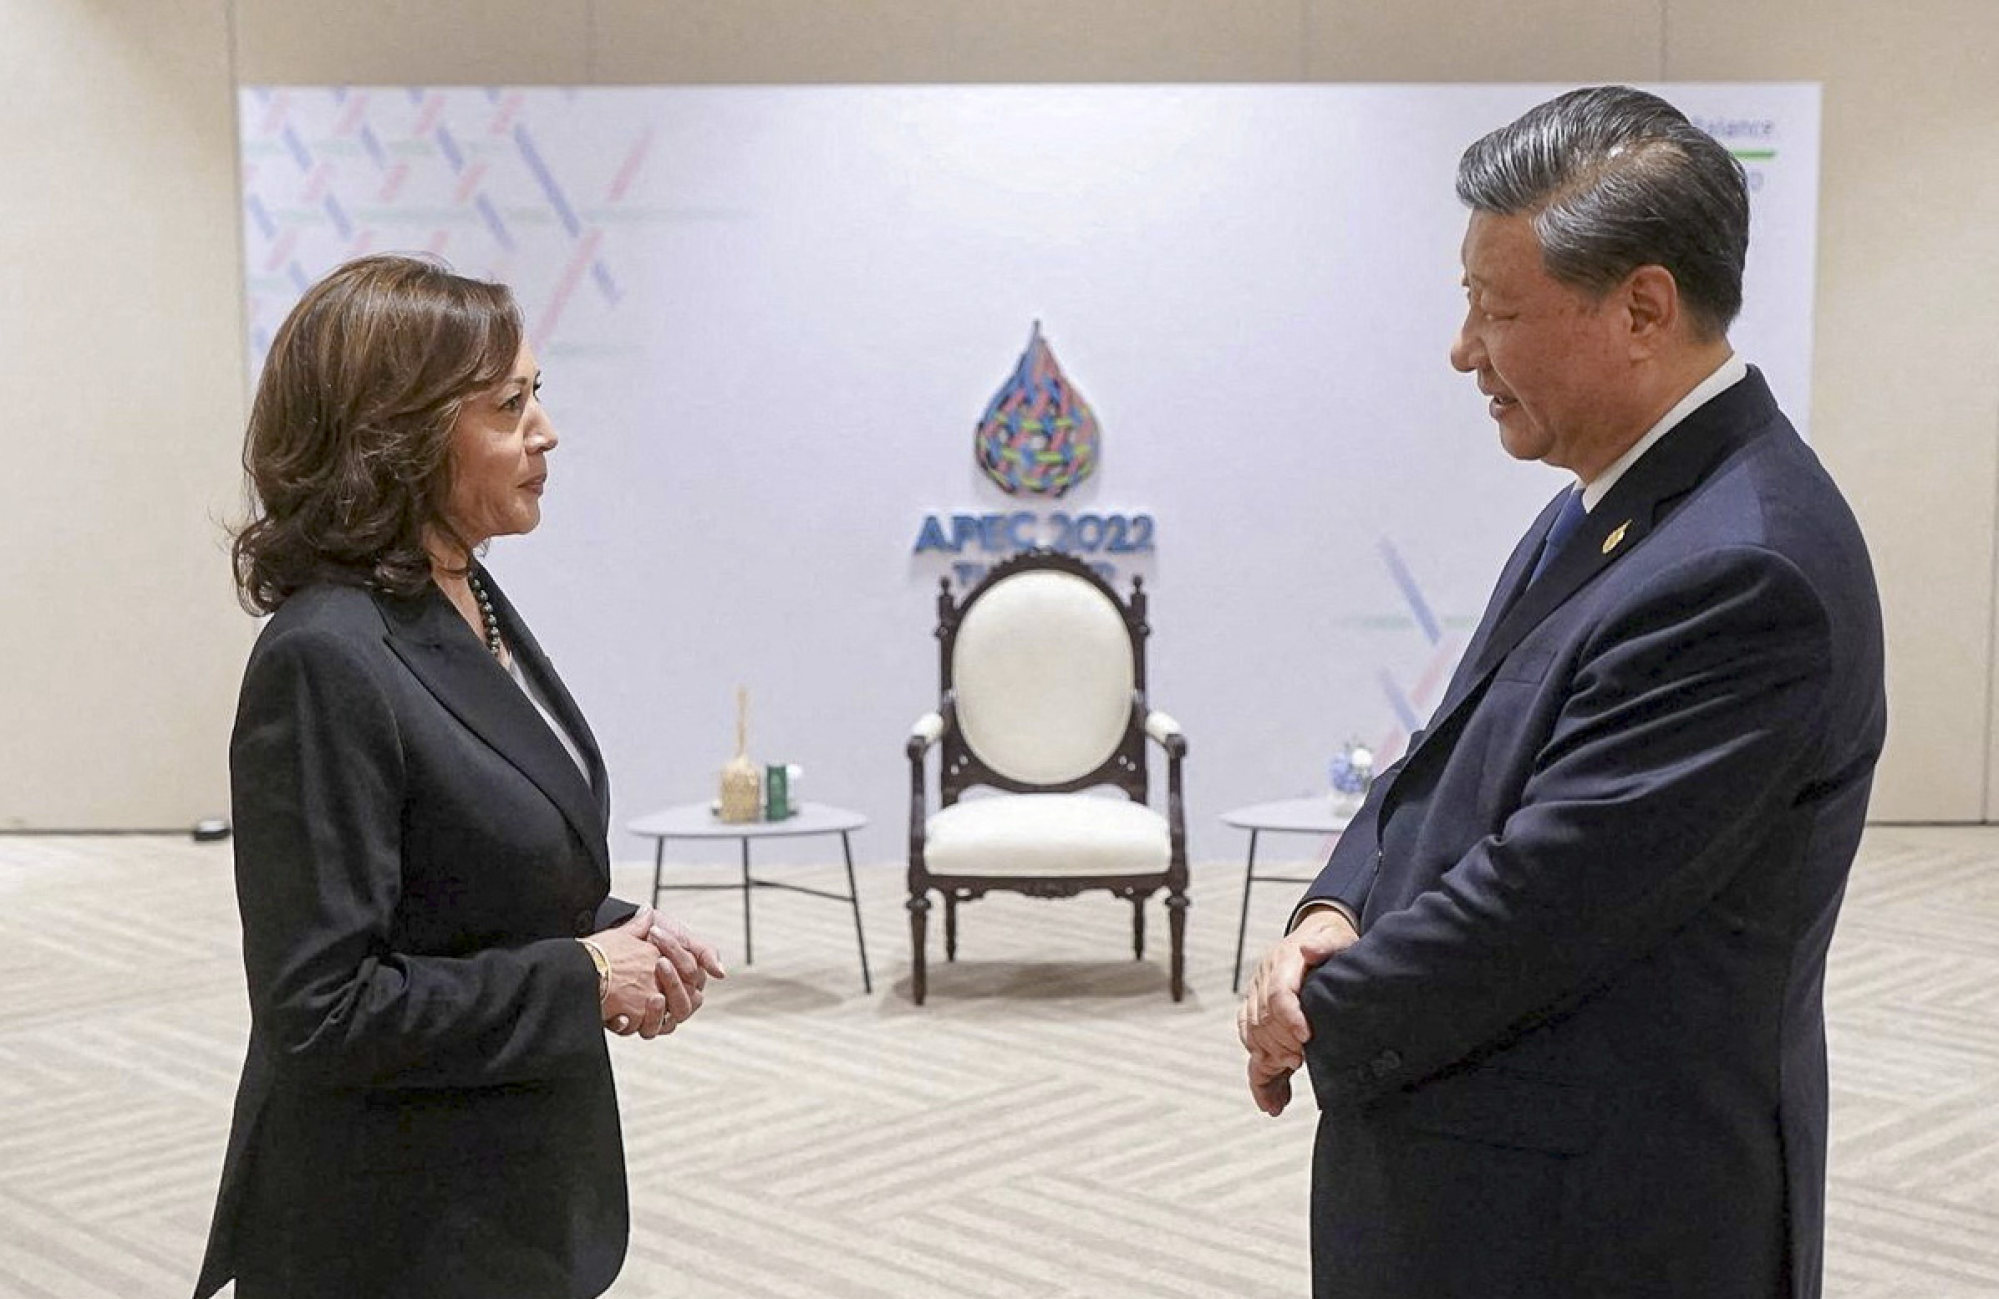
{"x": 1579, "y": 1048}
{"x": 426, "y": 1106}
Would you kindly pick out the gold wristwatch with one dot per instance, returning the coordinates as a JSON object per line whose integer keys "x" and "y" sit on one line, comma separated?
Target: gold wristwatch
{"x": 603, "y": 964}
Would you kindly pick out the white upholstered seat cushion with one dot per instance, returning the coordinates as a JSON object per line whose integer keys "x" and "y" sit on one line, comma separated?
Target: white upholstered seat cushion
{"x": 1046, "y": 834}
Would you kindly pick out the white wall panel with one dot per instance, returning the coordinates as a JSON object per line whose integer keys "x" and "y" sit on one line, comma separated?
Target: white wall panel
{"x": 123, "y": 337}
{"x": 1906, "y": 388}
{"x": 121, "y": 332}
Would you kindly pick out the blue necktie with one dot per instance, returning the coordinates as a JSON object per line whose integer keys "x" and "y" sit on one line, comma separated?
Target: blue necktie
{"x": 1566, "y": 522}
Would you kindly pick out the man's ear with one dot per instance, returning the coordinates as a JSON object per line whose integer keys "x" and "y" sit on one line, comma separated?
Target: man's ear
{"x": 1652, "y": 306}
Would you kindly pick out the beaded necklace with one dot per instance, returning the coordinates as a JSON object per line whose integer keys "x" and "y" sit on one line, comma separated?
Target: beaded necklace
{"x": 487, "y": 616}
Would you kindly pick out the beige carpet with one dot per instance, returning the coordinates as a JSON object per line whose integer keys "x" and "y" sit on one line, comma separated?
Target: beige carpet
{"x": 1049, "y": 1125}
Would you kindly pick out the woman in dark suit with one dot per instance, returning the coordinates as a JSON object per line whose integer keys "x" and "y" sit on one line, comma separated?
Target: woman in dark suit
{"x": 421, "y": 846}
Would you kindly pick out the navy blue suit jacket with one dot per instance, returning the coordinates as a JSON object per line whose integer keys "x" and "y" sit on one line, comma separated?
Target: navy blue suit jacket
{"x": 426, "y": 1106}
{"x": 1579, "y": 1048}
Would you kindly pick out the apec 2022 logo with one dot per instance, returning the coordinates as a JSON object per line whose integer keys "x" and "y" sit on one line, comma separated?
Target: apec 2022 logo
{"x": 1038, "y": 437}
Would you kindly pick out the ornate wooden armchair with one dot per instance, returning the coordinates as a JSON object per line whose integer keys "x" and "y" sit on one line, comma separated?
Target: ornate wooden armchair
{"x": 1043, "y": 698}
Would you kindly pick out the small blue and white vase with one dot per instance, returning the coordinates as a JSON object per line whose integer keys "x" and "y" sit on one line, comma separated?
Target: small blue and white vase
{"x": 1349, "y": 773}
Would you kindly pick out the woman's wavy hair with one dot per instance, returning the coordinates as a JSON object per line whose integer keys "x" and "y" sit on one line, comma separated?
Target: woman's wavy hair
{"x": 348, "y": 450}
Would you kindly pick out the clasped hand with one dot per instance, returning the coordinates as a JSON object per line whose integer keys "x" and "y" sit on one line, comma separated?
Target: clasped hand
{"x": 1271, "y": 1022}
{"x": 658, "y": 973}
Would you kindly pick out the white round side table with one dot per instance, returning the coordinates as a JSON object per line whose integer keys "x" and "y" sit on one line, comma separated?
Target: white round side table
{"x": 698, "y": 821}
{"x": 1286, "y": 816}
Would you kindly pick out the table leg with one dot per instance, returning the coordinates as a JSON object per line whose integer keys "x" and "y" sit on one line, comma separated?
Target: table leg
{"x": 854, "y": 895}
{"x": 1242, "y": 925}
{"x": 658, "y": 865}
{"x": 749, "y": 952}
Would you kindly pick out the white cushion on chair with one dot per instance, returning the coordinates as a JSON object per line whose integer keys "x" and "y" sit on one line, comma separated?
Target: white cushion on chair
{"x": 1047, "y": 834}
{"x": 1042, "y": 673}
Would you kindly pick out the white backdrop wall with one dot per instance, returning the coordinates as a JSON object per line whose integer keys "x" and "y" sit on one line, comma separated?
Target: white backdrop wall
{"x": 770, "y": 318}
{"x": 125, "y": 331}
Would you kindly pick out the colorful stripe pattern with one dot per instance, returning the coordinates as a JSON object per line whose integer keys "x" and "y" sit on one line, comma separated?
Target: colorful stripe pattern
{"x": 493, "y": 180}
{"x": 1408, "y": 706}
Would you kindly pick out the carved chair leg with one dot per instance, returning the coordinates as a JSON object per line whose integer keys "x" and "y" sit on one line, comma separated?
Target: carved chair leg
{"x": 1138, "y": 928}
{"x": 950, "y": 926}
{"x": 1176, "y": 921}
{"x": 919, "y": 913}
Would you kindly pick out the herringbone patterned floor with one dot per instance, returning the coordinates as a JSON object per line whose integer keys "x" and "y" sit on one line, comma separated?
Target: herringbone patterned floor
{"x": 1049, "y": 1125}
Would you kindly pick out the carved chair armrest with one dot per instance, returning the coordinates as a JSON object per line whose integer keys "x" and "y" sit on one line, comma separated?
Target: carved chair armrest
{"x": 928, "y": 730}
{"x": 1166, "y": 733}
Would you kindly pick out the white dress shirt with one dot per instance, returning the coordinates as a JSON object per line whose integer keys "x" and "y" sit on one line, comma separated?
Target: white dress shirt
{"x": 541, "y": 706}
{"x": 1729, "y": 373}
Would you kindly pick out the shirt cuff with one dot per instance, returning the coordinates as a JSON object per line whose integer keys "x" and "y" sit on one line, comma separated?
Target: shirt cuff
{"x": 1323, "y": 904}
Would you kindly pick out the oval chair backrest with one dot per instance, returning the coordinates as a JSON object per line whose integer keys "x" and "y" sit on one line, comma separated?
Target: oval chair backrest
{"x": 1042, "y": 673}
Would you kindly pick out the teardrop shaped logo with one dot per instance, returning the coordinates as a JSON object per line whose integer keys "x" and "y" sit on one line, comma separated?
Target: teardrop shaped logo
{"x": 1038, "y": 435}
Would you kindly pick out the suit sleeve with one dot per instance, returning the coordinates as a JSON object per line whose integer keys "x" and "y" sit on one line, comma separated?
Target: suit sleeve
{"x": 316, "y": 769}
{"x": 1688, "y": 715}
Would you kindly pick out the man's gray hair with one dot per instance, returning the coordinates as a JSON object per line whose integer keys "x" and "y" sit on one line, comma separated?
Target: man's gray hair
{"x": 1615, "y": 179}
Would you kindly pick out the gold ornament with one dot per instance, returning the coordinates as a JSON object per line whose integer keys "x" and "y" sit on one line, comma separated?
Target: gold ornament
{"x": 742, "y": 792}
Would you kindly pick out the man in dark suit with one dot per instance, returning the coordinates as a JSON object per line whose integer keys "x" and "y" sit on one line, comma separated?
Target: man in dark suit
{"x": 1559, "y": 987}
